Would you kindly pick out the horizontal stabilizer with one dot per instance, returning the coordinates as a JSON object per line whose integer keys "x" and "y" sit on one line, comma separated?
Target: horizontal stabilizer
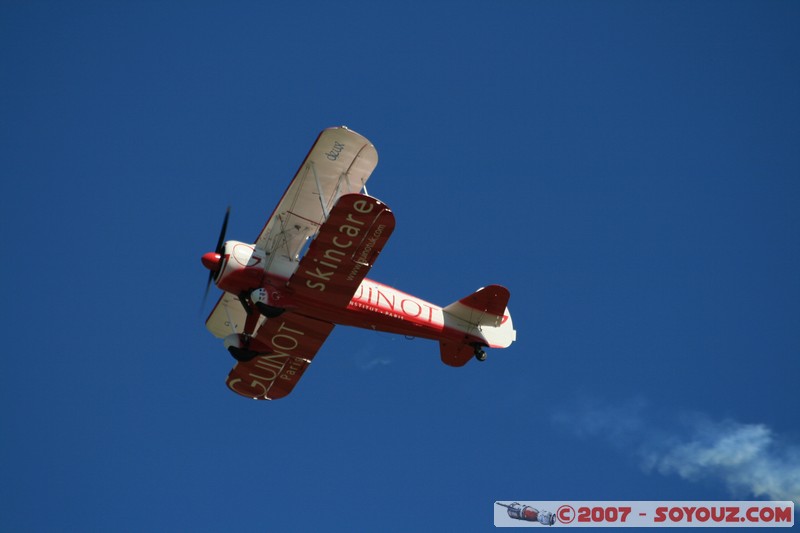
{"x": 455, "y": 353}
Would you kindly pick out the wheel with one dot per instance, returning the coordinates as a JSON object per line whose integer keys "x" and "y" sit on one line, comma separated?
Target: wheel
{"x": 480, "y": 355}
{"x": 268, "y": 310}
{"x": 241, "y": 354}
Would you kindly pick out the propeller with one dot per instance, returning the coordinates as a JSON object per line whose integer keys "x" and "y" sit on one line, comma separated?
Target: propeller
{"x": 213, "y": 260}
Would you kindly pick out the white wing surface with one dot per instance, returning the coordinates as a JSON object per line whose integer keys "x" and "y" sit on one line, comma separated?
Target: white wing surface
{"x": 340, "y": 162}
{"x": 227, "y": 317}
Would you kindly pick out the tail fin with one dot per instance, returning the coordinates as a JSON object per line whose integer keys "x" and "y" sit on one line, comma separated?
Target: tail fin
{"x": 482, "y": 315}
{"x": 485, "y": 307}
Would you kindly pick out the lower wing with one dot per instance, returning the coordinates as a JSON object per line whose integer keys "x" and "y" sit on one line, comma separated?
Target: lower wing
{"x": 344, "y": 250}
{"x": 291, "y": 341}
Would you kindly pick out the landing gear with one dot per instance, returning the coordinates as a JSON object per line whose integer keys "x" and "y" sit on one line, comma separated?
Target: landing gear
{"x": 240, "y": 346}
{"x": 242, "y": 355}
{"x": 480, "y": 355}
{"x": 261, "y": 299}
{"x": 269, "y": 311}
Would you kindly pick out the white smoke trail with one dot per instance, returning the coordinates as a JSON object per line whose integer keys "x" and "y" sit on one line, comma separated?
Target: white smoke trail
{"x": 747, "y": 458}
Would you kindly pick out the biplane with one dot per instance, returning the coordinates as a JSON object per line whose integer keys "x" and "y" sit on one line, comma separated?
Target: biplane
{"x": 306, "y": 272}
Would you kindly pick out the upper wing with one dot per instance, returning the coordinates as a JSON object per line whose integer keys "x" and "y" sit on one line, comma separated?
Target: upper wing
{"x": 339, "y": 162}
{"x": 293, "y": 340}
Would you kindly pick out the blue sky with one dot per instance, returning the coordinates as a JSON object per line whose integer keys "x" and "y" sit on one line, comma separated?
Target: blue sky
{"x": 629, "y": 170}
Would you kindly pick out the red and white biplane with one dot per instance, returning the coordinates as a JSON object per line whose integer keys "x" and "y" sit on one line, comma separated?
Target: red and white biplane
{"x": 307, "y": 272}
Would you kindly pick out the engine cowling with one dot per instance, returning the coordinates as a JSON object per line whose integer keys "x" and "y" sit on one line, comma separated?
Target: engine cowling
{"x": 242, "y": 267}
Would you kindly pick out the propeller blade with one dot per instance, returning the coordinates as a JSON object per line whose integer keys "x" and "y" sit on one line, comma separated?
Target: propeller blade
{"x": 217, "y": 250}
{"x": 208, "y": 286}
{"x": 221, "y": 240}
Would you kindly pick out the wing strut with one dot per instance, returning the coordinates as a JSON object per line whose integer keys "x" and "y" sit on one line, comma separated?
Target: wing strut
{"x": 319, "y": 190}
{"x": 341, "y": 162}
